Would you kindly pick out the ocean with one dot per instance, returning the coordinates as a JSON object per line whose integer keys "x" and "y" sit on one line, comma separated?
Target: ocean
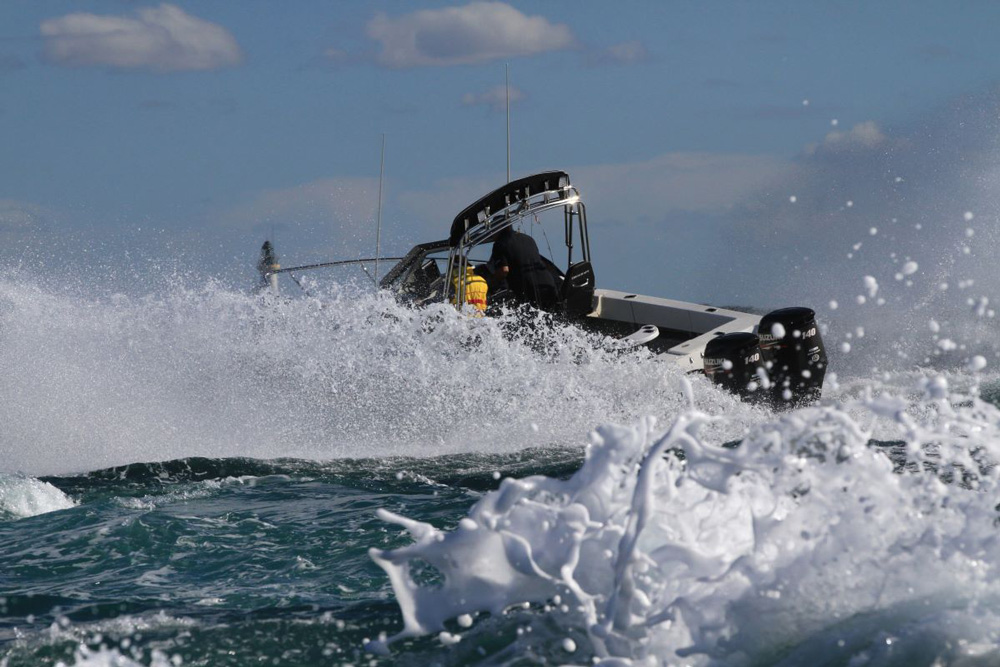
{"x": 194, "y": 475}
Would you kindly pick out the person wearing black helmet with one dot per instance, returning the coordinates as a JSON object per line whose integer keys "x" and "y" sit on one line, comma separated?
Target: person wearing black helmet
{"x": 516, "y": 258}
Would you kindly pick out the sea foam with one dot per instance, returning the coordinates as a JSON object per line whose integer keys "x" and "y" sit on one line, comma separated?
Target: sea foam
{"x": 22, "y": 496}
{"x": 805, "y": 543}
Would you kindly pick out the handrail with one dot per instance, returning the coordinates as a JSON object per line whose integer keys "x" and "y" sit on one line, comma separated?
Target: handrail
{"x": 506, "y": 217}
{"x": 503, "y": 198}
{"x": 323, "y": 265}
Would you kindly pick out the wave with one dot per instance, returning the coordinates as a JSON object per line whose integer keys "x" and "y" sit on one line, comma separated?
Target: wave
{"x": 804, "y": 545}
{"x": 475, "y": 472}
{"x": 22, "y": 496}
{"x": 94, "y": 381}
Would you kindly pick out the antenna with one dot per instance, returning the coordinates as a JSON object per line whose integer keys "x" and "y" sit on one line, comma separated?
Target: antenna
{"x": 378, "y": 226}
{"x": 506, "y": 71}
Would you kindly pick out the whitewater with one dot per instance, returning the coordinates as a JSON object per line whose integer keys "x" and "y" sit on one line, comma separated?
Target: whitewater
{"x": 199, "y": 475}
{"x": 194, "y": 474}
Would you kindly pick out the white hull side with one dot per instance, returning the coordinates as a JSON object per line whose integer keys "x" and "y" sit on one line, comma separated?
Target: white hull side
{"x": 705, "y": 322}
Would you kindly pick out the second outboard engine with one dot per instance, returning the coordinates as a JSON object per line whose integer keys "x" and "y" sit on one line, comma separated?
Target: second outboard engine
{"x": 734, "y": 361}
{"x": 794, "y": 355}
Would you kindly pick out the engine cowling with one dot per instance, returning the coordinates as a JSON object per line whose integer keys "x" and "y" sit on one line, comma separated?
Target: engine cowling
{"x": 735, "y": 362}
{"x": 794, "y": 355}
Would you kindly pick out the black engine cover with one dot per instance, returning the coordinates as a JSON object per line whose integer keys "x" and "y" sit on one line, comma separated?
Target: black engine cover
{"x": 735, "y": 362}
{"x": 793, "y": 355}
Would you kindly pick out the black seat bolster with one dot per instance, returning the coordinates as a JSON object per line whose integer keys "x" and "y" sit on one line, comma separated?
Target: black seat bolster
{"x": 578, "y": 289}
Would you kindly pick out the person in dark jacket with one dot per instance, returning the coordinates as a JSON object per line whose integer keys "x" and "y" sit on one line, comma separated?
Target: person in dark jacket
{"x": 516, "y": 258}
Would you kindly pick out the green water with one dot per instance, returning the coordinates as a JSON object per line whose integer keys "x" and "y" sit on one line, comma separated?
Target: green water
{"x": 237, "y": 561}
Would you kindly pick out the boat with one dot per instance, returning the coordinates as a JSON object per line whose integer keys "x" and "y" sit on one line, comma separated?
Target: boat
{"x": 777, "y": 357}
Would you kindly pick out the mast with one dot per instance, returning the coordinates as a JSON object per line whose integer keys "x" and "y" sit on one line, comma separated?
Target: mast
{"x": 378, "y": 225}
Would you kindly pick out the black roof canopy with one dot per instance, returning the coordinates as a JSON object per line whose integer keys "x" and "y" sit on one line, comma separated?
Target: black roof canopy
{"x": 480, "y": 210}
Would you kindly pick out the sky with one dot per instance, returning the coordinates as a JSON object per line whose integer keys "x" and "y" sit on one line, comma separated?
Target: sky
{"x": 155, "y": 135}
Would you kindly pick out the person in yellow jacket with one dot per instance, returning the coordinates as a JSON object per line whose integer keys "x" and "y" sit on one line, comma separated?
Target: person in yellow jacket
{"x": 475, "y": 291}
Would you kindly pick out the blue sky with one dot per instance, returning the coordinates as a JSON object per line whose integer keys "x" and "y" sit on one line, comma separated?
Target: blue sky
{"x": 195, "y": 129}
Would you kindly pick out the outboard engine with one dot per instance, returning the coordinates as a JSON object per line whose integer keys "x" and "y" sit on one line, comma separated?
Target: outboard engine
{"x": 734, "y": 361}
{"x": 793, "y": 355}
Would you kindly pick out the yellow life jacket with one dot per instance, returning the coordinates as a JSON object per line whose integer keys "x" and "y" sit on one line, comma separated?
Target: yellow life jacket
{"x": 475, "y": 290}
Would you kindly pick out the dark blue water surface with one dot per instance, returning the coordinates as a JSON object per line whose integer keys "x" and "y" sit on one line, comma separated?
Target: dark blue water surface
{"x": 237, "y": 561}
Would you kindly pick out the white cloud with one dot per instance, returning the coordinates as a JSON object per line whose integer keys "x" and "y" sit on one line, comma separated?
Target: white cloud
{"x": 626, "y": 53}
{"x": 912, "y": 184}
{"x": 495, "y": 98}
{"x": 862, "y": 135}
{"x": 691, "y": 182}
{"x": 477, "y": 32}
{"x": 648, "y": 190}
{"x": 162, "y": 39}
{"x": 345, "y": 205}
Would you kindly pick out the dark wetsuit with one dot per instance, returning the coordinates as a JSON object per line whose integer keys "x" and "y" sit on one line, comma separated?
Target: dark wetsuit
{"x": 528, "y": 278}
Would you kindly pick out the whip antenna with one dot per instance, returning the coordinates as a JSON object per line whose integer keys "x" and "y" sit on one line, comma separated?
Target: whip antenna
{"x": 506, "y": 76}
{"x": 378, "y": 225}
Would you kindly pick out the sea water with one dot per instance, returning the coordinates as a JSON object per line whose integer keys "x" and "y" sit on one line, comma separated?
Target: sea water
{"x": 197, "y": 475}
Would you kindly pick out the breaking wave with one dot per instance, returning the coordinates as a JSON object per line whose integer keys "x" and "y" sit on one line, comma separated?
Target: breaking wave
{"x": 93, "y": 381}
{"x": 22, "y": 496}
{"x": 806, "y": 544}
